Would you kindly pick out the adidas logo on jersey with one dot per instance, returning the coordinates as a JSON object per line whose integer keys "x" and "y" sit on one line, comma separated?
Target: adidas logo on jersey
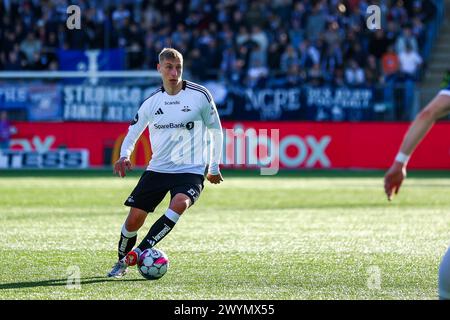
{"x": 159, "y": 112}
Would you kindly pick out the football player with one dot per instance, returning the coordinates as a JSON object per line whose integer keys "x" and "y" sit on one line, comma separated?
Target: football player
{"x": 178, "y": 115}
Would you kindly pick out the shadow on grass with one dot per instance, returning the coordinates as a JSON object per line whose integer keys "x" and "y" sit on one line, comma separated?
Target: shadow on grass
{"x": 60, "y": 282}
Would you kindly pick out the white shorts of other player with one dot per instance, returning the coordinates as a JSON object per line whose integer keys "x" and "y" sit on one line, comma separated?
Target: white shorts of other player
{"x": 444, "y": 277}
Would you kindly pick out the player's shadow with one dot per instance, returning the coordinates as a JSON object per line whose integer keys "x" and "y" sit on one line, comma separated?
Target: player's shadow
{"x": 60, "y": 282}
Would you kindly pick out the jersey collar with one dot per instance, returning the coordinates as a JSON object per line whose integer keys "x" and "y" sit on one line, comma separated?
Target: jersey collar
{"x": 183, "y": 86}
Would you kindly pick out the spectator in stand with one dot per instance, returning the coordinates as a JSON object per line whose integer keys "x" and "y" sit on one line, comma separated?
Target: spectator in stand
{"x": 316, "y": 76}
{"x": 274, "y": 56}
{"x": 390, "y": 63}
{"x": 227, "y": 63}
{"x": 256, "y": 14}
{"x": 121, "y": 15}
{"x": 333, "y": 35}
{"x": 390, "y": 69}
{"x": 258, "y": 36}
{"x": 237, "y": 75}
{"x": 30, "y": 46}
{"x": 378, "y": 44}
{"x": 410, "y": 62}
{"x": 197, "y": 62}
{"x": 14, "y": 62}
{"x": 316, "y": 21}
{"x": 299, "y": 14}
{"x": 354, "y": 74}
{"x": 392, "y": 31}
{"x": 257, "y": 56}
{"x": 294, "y": 76}
{"x": 289, "y": 58}
{"x": 419, "y": 31}
{"x": 338, "y": 79}
{"x": 230, "y": 34}
{"x": 213, "y": 57}
{"x": 356, "y": 52}
{"x": 425, "y": 10}
{"x": 372, "y": 71}
{"x": 296, "y": 34}
{"x": 332, "y": 60}
{"x": 257, "y": 74}
{"x": 398, "y": 12}
{"x": 407, "y": 38}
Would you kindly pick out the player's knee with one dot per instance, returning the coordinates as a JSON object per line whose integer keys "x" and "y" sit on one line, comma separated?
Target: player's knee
{"x": 132, "y": 224}
{"x": 135, "y": 219}
{"x": 179, "y": 203}
{"x": 426, "y": 114}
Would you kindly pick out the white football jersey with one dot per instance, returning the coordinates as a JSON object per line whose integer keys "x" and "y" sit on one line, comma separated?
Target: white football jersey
{"x": 177, "y": 126}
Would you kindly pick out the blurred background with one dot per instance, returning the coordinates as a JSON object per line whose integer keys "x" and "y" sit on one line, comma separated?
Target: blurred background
{"x": 340, "y": 94}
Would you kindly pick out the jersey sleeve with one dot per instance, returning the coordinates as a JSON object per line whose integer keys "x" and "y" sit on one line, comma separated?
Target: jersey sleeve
{"x": 137, "y": 126}
{"x": 212, "y": 121}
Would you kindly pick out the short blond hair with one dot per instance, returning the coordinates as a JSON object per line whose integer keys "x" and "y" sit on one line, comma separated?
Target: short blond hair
{"x": 169, "y": 53}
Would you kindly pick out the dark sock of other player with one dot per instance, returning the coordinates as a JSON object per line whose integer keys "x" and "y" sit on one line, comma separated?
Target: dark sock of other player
{"x": 159, "y": 230}
{"x": 126, "y": 243}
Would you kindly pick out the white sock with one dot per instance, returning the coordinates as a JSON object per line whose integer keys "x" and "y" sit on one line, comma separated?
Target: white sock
{"x": 128, "y": 234}
{"x": 172, "y": 215}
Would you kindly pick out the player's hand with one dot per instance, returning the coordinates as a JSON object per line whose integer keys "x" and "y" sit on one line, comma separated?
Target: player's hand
{"x": 214, "y": 178}
{"x": 393, "y": 179}
{"x": 121, "y": 166}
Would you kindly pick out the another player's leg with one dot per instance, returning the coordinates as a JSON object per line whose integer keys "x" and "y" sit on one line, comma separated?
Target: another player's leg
{"x": 444, "y": 277}
{"x": 128, "y": 237}
{"x": 178, "y": 205}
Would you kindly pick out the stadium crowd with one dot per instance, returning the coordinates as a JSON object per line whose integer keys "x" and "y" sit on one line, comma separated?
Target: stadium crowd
{"x": 250, "y": 43}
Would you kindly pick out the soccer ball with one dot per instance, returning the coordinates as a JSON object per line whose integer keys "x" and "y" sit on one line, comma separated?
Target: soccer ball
{"x": 153, "y": 264}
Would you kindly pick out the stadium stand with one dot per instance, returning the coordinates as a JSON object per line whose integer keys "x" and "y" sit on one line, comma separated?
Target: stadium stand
{"x": 251, "y": 44}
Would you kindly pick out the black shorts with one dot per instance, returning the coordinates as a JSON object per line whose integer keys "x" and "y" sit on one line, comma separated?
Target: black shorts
{"x": 153, "y": 187}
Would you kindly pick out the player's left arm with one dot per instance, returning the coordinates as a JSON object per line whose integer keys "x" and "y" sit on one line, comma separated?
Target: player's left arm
{"x": 212, "y": 121}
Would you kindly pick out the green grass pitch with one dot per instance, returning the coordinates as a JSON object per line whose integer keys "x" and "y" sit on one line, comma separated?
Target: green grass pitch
{"x": 297, "y": 235}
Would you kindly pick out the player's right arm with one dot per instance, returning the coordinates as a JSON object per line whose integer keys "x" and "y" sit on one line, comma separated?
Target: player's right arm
{"x": 137, "y": 126}
{"x": 437, "y": 108}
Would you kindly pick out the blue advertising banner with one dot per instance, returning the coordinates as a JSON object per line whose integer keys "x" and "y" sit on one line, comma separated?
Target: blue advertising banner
{"x": 102, "y": 103}
{"x": 40, "y": 101}
{"x": 13, "y": 96}
{"x": 101, "y": 60}
{"x": 118, "y": 103}
{"x": 44, "y": 103}
{"x": 299, "y": 103}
